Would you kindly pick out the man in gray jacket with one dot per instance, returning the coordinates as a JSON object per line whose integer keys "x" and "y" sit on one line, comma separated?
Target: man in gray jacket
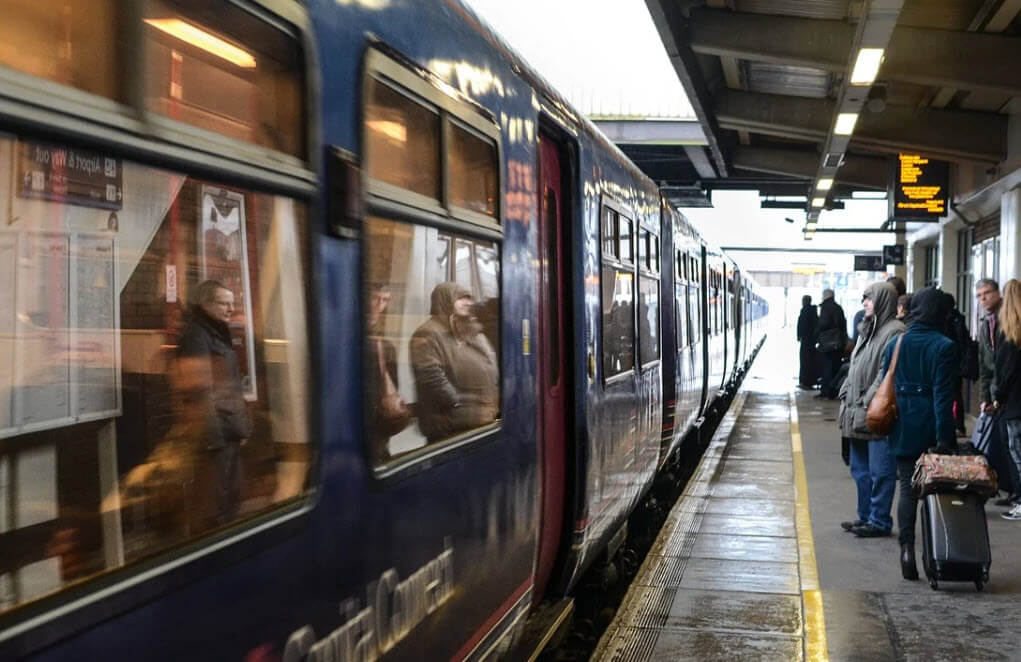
{"x": 872, "y": 467}
{"x": 988, "y": 292}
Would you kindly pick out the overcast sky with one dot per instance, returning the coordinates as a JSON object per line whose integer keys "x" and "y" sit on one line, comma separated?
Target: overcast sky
{"x": 607, "y": 58}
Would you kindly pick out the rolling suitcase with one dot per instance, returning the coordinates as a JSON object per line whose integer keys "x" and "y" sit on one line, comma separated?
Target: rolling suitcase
{"x": 955, "y": 538}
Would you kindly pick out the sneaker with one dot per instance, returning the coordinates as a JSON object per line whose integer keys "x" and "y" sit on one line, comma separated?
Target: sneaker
{"x": 847, "y": 526}
{"x": 1012, "y": 514}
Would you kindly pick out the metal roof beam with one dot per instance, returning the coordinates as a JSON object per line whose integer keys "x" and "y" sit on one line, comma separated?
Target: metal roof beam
{"x": 654, "y": 132}
{"x": 871, "y": 172}
{"x": 941, "y": 58}
{"x": 947, "y": 134}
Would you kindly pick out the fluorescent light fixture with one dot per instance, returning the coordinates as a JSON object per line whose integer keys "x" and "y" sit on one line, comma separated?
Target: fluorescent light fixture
{"x": 809, "y": 235}
{"x": 810, "y": 226}
{"x": 392, "y": 130}
{"x": 825, "y": 184}
{"x": 819, "y": 202}
{"x": 845, "y": 124}
{"x": 866, "y": 66}
{"x": 868, "y": 195}
{"x": 207, "y": 41}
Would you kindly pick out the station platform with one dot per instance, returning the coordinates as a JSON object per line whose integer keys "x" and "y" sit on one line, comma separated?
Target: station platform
{"x": 752, "y": 563}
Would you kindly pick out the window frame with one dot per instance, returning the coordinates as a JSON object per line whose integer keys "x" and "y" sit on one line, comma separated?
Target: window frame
{"x": 649, "y": 270}
{"x": 617, "y": 263}
{"x": 45, "y": 109}
{"x": 403, "y": 206}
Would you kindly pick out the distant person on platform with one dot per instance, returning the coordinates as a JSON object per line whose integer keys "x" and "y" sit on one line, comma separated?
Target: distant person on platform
{"x": 808, "y": 320}
{"x": 211, "y": 383}
{"x": 903, "y": 306}
{"x": 831, "y": 339}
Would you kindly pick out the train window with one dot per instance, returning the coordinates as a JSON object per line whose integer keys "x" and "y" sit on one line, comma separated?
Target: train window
{"x": 71, "y": 42}
{"x": 611, "y": 249}
{"x": 225, "y": 71}
{"x": 648, "y": 319}
{"x": 403, "y": 141}
{"x": 154, "y": 362}
{"x": 654, "y": 253}
{"x": 626, "y": 253}
{"x": 432, "y": 369}
{"x": 473, "y": 179}
{"x": 643, "y": 248}
{"x": 618, "y": 321}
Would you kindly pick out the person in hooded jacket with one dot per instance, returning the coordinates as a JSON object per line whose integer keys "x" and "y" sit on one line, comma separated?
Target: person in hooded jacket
{"x": 456, "y": 370}
{"x": 924, "y": 383}
{"x": 871, "y": 463}
{"x": 807, "y": 321}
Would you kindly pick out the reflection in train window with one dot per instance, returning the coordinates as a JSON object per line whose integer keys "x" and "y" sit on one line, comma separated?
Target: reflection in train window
{"x": 611, "y": 249}
{"x": 648, "y": 319}
{"x": 236, "y": 75}
{"x": 431, "y": 368}
{"x": 473, "y": 179}
{"x": 618, "y": 321}
{"x": 154, "y": 364}
{"x": 625, "y": 237}
{"x": 403, "y": 141}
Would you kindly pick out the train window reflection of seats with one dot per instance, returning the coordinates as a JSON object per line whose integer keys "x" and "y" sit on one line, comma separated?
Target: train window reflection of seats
{"x": 618, "y": 297}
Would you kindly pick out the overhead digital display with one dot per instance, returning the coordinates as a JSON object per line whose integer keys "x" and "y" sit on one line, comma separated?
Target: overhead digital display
{"x": 921, "y": 188}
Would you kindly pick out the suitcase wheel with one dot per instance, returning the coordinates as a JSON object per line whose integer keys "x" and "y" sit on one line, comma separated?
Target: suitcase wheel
{"x": 933, "y": 584}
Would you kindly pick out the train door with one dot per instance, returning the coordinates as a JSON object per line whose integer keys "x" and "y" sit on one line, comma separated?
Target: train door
{"x": 551, "y": 350}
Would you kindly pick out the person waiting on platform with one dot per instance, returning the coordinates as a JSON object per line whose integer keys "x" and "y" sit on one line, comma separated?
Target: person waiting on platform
{"x": 1007, "y": 389}
{"x": 831, "y": 340}
{"x": 808, "y": 375}
{"x": 456, "y": 370}
{"x": 923, "y": 381}
{"x": 903, "y": 306}
{"x": 871, "y": 464}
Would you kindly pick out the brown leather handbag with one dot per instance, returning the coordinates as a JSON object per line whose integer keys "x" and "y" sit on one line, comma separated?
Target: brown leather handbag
{"x": 882, "y": 410}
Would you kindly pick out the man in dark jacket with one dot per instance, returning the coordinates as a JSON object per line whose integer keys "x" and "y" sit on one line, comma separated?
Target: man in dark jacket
{"x": 831, "y": 336}
{"x": 211, "y": 388}
{"x": 807, "y": 321}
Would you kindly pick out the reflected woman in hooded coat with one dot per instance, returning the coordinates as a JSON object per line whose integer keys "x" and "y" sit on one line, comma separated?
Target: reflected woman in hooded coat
{"x": 924, "y": 383}
{"x": 456, "y": 369}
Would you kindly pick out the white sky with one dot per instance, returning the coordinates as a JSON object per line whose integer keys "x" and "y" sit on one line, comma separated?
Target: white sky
{"x": 607, "y": 58}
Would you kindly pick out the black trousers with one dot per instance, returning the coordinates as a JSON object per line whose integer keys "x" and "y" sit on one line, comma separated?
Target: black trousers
{"x": 907, "y": 502}
{"x": 830, "y": 368}
{"x": 218, "y": 493}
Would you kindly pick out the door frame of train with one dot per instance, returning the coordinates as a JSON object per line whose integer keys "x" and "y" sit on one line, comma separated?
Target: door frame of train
{"x": 554, "y": 506}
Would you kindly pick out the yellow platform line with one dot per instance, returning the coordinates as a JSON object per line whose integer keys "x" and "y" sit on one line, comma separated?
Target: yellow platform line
{"x": 811, "y": 596}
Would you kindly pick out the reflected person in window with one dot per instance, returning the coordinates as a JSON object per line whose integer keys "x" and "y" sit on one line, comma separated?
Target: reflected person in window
{"x": 213, "y": 394}
{"x": 387, "y": 412}
{"x": 456, "y": 371}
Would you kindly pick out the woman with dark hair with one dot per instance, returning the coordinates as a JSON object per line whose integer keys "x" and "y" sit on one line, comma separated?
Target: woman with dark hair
{"x": 807, "y": 321}
{"x": 924, "y": 382}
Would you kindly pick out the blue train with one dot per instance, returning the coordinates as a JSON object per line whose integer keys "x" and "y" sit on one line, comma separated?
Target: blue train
{"x": 448, "y": 335}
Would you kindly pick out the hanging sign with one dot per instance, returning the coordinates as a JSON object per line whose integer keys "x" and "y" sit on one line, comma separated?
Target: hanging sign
{"x": 60, "y": 173}
{"x": 920, "y": 188}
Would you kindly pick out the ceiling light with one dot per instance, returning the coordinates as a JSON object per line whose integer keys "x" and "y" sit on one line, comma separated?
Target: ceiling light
{"x": 866, "y": 66}
{"x": 824, "y": 184}
{"x": 845, "y": 124}
{"x": 207, "y": 41}
{"x": 810, "y": 226}
{"x": 868, "y": 195}
{"x": 809, "y": 235}
{"x": 819, "y": 202}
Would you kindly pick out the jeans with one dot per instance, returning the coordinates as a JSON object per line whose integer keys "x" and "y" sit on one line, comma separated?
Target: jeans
{"x": 1014, "y": 443}
{"x": 907, "y": 502}
{"x": 875, "y": 476}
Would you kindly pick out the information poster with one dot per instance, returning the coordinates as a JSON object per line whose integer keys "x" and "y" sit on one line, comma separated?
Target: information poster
{"x": 223, "y": 256}
{"x": 60, "y": 173}
{"x": 94, "y": 340}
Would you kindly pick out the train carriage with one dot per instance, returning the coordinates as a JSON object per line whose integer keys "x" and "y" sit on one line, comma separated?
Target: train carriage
{"x": 467, "y": 332}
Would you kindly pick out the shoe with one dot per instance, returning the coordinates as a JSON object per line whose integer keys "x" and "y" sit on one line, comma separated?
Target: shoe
{"x": 908, "y": 569}
{"x": 847, "y": 526}
{"x": 1012, "y": 514}
{"x": 869, "y": 531}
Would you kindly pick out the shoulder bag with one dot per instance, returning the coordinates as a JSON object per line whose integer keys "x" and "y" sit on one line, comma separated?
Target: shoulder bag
{"x": 882, "y": 410}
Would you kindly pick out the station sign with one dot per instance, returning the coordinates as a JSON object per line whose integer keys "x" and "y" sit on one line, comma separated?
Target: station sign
{"x": 869, "y": 263}
{"x": 920, "y": 190}
{"x": 893, "y": 254}
{"x": 61, "y": 173}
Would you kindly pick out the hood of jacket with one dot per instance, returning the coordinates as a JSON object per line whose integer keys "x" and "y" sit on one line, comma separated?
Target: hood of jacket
{"x": 884, "y": 302}
{"x": 443, "y": 297}
{"x": 930, "y": 307}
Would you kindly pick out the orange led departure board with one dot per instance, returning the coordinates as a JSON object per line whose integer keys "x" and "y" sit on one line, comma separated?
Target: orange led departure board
{"x": 921, "y": 188}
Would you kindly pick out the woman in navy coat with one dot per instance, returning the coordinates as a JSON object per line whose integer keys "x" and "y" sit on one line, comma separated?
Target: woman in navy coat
{"x": 924, "y": 380}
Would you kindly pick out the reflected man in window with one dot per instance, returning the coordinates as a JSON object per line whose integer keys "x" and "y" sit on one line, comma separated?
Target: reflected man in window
{"x": 456, "y": 371}
{"x": 213, "y": 397}
{"x": 388, "y": 414}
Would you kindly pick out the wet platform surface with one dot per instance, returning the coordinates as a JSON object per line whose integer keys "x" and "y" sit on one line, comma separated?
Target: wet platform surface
{"x": 752, "y": 563}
